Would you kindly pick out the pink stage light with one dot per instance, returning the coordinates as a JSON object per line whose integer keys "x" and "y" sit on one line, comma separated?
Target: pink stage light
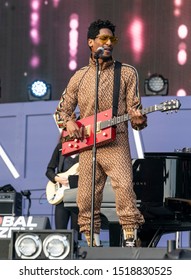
{"x": 135, "y": 31}
{"x": 72, "y": 65}
{"x": 35, "y": 4}
{"x": 56, "y": 3}
{"x": 34, "y": 19}
{"x": 34, "y": 32}
{"x": 177, "y": 12}
{"x": 177, "y": 9}
{"x": 34, "y": 36}
{"x": 182, "y": 57}
{"x": 73, "y": 41}
{"x": 35, "y": 61}
{"x": 182, "y": 31}
{"x": 182, "y": 46}
{"x": 181, "y": 92}
{"x": 177, "y": 3}
{"x": 74, "y": 23}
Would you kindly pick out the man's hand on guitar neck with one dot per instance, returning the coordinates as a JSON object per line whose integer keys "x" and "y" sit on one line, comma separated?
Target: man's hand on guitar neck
{"x": 138, "y": 120}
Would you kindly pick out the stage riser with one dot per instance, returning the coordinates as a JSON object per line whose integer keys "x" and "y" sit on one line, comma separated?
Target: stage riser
{"x": 111, "y": 253}
{"x": 118, "y": 253}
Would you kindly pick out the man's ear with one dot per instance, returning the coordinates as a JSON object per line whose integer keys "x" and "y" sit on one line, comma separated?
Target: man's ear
{"x": 90, "y": 43}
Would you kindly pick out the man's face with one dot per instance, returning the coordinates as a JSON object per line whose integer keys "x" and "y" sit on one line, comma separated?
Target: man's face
{"x": 104, "y": 39}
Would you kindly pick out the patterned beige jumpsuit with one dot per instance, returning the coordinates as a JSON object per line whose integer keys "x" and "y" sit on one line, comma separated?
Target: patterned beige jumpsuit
{"x": 113, "y": 159}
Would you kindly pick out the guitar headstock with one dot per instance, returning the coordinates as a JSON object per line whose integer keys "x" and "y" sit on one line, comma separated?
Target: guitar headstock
{"x": 169, "y": 105}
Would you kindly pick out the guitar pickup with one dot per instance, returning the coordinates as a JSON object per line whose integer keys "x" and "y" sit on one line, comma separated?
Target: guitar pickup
{"x": 86, "y": 131}
{"x": 98, "y": 128}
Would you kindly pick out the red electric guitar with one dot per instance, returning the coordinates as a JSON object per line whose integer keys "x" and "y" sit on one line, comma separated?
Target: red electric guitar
{"x": 106, "y": 132}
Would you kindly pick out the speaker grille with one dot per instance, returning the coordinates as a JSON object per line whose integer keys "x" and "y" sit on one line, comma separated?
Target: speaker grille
{"x": 10, "y": 203}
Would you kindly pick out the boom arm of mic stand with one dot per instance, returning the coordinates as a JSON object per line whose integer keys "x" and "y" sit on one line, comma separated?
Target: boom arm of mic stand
{"x": 94, "y": 156}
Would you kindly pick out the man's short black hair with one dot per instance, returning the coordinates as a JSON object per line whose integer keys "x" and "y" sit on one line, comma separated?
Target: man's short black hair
{"x": 95, "y": 26}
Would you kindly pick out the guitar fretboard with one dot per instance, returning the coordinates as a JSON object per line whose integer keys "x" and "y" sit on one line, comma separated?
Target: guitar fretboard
{"x": 126, "y": 117}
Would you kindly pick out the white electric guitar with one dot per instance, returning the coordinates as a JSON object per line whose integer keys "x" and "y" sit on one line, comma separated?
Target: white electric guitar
{"x": 55, "y": 192}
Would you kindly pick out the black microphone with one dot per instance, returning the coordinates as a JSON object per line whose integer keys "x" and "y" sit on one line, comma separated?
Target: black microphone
{"x": 99, "y": 52}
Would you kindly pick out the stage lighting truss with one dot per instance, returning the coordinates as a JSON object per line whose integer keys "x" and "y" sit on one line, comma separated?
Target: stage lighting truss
{"x": 156, "y": 85}
{"x": 43, "y": 245}
{"x": 39, "y": 90}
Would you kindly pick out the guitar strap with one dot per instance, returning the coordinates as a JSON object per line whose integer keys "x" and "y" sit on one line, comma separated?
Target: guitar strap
{"x": 61, "y": 162}
{"x": 116, "y": 87}
{"x": 66, "y": 163}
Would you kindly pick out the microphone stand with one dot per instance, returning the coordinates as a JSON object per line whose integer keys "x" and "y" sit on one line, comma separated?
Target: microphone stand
{"x": 94, "y": 154}
{"x": 27, "y": 194}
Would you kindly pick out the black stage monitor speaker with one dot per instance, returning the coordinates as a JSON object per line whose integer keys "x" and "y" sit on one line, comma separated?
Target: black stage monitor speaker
{"x": 4, "y": 249}
{"x": 44, "y": 244}
{"x": 10, "y": 223}
{"x": 10, "y": 203}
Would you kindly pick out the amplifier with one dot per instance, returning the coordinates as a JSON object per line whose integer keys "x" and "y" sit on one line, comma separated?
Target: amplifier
{"x": 10, "y": 203}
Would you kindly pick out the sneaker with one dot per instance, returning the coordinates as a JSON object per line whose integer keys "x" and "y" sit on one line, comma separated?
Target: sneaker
{"x": 130, "y": 242}
{"x": 88, "y": 239}
{"x": 129, "y": 238}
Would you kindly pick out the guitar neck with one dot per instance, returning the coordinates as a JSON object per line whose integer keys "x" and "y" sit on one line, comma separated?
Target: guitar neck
{"x": 119, "y": 119}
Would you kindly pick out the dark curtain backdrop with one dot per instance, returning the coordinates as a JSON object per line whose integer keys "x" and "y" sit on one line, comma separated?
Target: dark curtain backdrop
{"x": 159, "y": 53}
